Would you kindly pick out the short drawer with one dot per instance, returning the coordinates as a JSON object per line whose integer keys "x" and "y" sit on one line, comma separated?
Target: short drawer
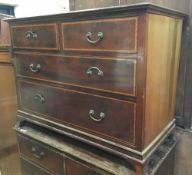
{"x": 110, "y": 35}
{"x": 109, "y": 75}
{"x": 37, "y": 36}
{"x": 28, "y": 168}
{"x": 73, "y": 168}
{"x": 108, "y": 118}
{"x": 41, "y": 155}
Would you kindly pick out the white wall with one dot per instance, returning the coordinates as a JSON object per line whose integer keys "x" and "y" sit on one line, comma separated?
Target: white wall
{"x": 26, "y": 8}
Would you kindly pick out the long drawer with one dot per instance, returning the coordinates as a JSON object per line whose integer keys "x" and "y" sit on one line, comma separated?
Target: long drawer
{"x": 41, "y": 155}
{"x": 35, "y": 36}
{"x": 109, "y": 75}
{"x": 108, "y": 118}
{"x": 114, "y": 35}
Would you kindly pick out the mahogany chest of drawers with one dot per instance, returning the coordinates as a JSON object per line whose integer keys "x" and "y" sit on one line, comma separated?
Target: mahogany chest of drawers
{"x": 104, "y": 77}
{"x": 45, "y": 152}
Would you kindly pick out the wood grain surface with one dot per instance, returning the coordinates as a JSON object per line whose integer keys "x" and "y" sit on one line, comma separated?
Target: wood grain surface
{"x": 118, "y": 75}
{"x": 162, "y": 68}
{"x": 72, "y": 108}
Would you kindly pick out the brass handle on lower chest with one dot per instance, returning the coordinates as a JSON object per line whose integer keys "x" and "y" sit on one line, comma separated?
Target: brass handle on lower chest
{"x": 39, "y": 97}
{"x": 34, "y": 68}
{"x": 91, "y": 69}
{"x": 89, "y": 35}
{"x": 94, "y": 118}
{"x": 30, "y": 35}
{"x": 36, "y": 154}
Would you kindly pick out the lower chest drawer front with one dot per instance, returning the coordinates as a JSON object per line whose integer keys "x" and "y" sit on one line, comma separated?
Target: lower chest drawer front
{"x": 108, "y": 118}
{"x": 111, "y": 75}
{"x": 41, "y": 155}
{"x": 73, "y": 168}
{"x": 28, "y": 168}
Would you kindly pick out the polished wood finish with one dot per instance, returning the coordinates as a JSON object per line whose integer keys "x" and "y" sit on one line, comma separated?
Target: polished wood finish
{"x": 63, "y": 111}
{"x": 41, "y": 36}
{"x": 184, "y": 98}
{"x": 129, "y": 122}
{"x": 120, "y": 33}
{"x": 73, "y": 71}
{"x": 103, "y": 13}
{"x": 41, "y": 155}
{"x": 163, "y": 53}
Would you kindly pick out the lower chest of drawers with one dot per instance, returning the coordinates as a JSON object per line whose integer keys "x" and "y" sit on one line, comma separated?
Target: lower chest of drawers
{"x": 41, "y": 159}
{"x": 70, "y": 167}
{"x": 43, "y": 152}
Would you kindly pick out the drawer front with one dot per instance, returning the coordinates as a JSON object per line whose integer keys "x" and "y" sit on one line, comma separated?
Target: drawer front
{"x": 41, "y": 155}
{"x": 109, "y": 75}
{"x": 105, "y": 117}
{"x": 31, "y": 169}
{"x": 115, "y": 35}
{"x": 42, "y": 36}
{"x": 74, "y": 168}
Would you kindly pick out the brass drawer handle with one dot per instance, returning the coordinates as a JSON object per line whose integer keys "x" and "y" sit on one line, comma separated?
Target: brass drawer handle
{"x": 34, "y": 68}
{"x": 31, "y": 35}
{"x": 91, "y": 69}
{"x": 96, "y": 119}
{"x": 36, "y": 154}
{"x": 39, "y": 97}
{"x": 89, "y": 35}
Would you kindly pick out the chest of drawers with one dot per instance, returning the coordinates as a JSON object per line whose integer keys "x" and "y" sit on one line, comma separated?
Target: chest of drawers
{"x": 46, "y": 152}
{"x": 105, "y": 77}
